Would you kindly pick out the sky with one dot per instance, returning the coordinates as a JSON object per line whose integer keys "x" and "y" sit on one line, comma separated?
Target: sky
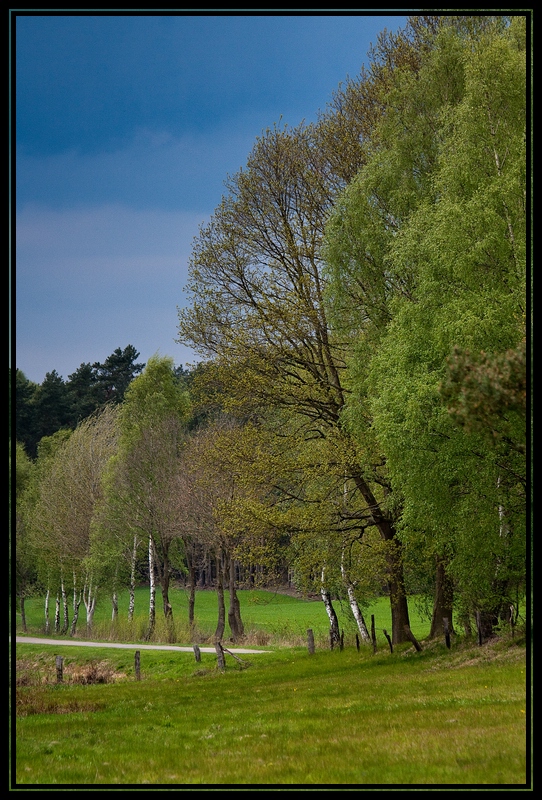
{"x": 125, "y": 128}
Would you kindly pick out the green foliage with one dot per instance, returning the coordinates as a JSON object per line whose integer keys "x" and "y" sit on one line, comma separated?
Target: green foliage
{"x": 426, "y": 258}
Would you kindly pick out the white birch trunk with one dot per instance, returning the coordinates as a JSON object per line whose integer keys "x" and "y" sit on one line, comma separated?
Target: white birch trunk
{"x": 131, "y": 606}
{"x": 356, "y": 610}
{"x": 89, "y": 599}
{"x": 47, "y": 623}
{"x": 76, "y": 604}
{"x": 152, "y": 593}
{"x": 66, "y": 619}
{"x": 57, "y": 613}
{"x": 333, "y": 622}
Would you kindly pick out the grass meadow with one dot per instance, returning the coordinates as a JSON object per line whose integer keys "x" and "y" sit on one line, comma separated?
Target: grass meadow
{"x": 282, "y": 717}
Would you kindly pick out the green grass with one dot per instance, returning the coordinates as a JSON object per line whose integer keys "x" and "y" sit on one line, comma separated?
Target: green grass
{"x": 281, "y": 717}
{"x": 440, "y": 717}
{"x": 270, "y": 618}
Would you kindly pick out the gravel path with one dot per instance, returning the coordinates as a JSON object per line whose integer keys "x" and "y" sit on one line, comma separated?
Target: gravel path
{"x": 77, "y": 643}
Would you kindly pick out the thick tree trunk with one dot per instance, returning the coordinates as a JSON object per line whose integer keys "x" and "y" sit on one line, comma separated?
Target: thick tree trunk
{"x": 234, "y": 612}
{"x": 219, "y": 633}
{"x": 443, "y": 601}
{"x": 334, "y": 634}
{"x": 396, "y": 581}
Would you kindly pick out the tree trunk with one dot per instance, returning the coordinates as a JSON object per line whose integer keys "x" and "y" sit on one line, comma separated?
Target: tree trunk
{"x": 164, "y": 585}
{"x": 192, "y": 596}
{"x": 57, "y": 613}
{"x": 356, "y": 610}
{"x": 219, "y": 633}
{"x": 334, "y": 634}
{"x": 23, "y": 612}
{"x": 396, "y": 580}
{"x": 76, "y": 606}
{"x": 89, "y": 599}
{"x": 66, "y": 617}
{"x": 47, "y": 624}
{"x": 152, "y": 592}
{"x": 133, "y": 560}
{"x": 443, "y": 601}
{"x": 234, "y": 612}
{"x": 114, "y": 607}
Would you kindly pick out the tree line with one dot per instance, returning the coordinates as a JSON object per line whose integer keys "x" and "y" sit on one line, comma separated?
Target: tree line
{"x": 359, "y": 303}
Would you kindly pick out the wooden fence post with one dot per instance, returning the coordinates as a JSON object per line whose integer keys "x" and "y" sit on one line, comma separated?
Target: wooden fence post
{"x": 138, "y": 665}
{"x": 197, "y": 653}
{"x": 59, "y": 662}
{"x": 386, "y": 634}
{"x": 310, "y": 640}
{"x": 373, "y": 634}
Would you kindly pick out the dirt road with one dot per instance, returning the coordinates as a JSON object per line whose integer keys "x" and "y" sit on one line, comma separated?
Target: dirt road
{"x": 77, "y": 643}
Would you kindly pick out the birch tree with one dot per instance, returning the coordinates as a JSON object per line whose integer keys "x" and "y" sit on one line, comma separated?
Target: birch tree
{"x": 142, "y": 486}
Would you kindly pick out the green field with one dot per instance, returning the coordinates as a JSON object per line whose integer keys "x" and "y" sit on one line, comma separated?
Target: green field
{"x": 439, "y": 717}
{"x": 268, "y": 617}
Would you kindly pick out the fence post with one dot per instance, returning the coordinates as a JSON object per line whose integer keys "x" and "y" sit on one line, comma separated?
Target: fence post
{"x": 373, "y": 634}
{"x": 386, "y": 634}
{"x": 138, "y": 665}
{"x": 310, "y": 640}
{"x": 59, "y": 662}
{"x": 197, "y": 653}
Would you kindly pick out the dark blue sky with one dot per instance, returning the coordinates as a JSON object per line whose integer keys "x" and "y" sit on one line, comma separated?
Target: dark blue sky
{"x": 126, "y": 128}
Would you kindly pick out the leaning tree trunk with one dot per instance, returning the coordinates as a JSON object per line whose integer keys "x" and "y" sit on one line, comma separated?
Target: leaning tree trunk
{"x": 396, "y": 580}
{"x": 443, "y": 601}
{"x": 356, "y": 610}
{"x": 234, "y": 612}
{"x": 334, "y": 634}
{"x": 219, "y": 633}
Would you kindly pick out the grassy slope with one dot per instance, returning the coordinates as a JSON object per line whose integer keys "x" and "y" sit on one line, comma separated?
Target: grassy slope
{"x": 439, "y": 717}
